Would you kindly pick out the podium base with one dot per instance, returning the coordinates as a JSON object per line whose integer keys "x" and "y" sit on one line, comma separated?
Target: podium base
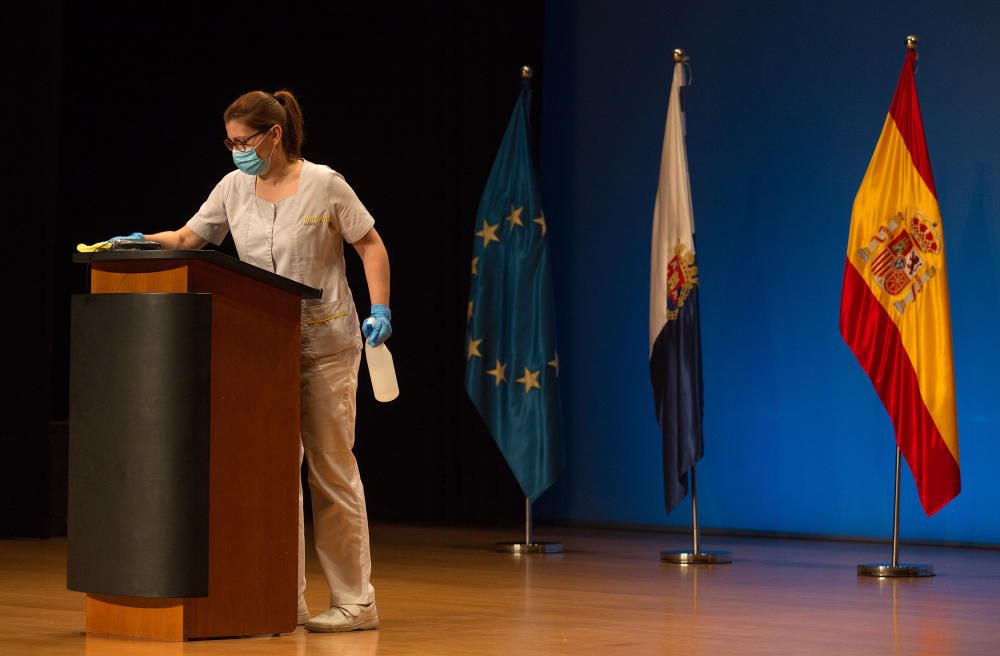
{"x": 699, "y": 558}
{"x": 895, "y": 571}
{"x": 530, "y": 547}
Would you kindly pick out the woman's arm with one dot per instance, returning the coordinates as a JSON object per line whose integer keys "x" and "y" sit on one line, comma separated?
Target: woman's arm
{"x": 376, "y": 262}
{"x": 183, "y": 239}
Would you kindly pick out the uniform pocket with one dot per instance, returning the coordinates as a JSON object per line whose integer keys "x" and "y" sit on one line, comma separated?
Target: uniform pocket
{"x": 329, "y": 327}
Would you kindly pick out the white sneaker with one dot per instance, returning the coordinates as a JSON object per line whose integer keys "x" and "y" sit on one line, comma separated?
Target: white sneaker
{"x": 352, "y": 617}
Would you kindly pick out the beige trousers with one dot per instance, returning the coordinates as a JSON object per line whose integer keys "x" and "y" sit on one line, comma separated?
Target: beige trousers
{"x": 340, "y": 519}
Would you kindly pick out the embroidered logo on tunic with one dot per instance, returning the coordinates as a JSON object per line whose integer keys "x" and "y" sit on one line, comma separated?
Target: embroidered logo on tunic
{"x": 682, "y": 276}
{"x": 897, "y": 257}
{"x": 316, "y": 219}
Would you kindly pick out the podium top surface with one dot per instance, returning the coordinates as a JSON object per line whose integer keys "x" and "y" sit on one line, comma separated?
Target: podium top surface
{"x": 211, "y": 257}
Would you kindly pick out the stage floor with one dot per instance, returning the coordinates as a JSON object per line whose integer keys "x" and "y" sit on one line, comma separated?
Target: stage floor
{"x": 445, "y": 591}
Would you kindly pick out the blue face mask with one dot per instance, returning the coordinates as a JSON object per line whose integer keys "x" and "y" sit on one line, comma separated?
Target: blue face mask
{"x": 248, "y": 161}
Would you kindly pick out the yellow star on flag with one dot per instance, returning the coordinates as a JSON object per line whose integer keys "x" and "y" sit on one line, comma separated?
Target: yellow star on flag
{"x": 500, "y": 373}
{"x": 474, "y": 348}
{"x": 530, "y": 380}
{"x": 555, "y": 363}
{"x": 475, "y": 261}
{"x": 541, "y": 221}
{"x": 515, "y": 217}
{"x": 488, "y": 233}
{"x": 469, "y": 317}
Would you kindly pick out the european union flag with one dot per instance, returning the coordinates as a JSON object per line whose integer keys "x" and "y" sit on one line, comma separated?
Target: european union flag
{"x": 512, "y": 366}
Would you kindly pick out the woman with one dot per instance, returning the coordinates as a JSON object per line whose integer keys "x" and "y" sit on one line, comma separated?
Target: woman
{"x": 292, "y": 217}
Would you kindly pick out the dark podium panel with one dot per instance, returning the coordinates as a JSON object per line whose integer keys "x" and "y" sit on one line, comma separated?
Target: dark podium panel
{"x": 139, "y": 444}
{"x": 184, "y": 427}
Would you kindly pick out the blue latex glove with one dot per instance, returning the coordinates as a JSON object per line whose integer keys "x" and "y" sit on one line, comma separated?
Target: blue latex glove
{"x": 377, "y": 328}
{"x": 134, "y": 235}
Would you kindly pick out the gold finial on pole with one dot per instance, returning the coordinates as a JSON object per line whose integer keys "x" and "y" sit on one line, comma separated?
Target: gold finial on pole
{"x": 527, "y": 73}
{"x": 680, "y": 55}
{"x": 911, "y": 42}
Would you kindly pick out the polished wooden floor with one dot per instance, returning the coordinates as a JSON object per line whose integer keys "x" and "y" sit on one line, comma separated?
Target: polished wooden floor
{"x": 444, "y": 591}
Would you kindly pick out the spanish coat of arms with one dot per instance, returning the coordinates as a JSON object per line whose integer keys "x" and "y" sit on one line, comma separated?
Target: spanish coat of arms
{"x": 897, "y": 257}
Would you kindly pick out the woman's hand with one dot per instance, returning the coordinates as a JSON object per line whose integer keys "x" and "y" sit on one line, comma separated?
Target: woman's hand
{"x": 377, "y": 328}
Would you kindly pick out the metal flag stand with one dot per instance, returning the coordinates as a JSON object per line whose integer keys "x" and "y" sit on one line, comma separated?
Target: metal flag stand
{"x": 696, "y": 556}
{"x": 529, "y": 546}
{"x": 895, "y": 569}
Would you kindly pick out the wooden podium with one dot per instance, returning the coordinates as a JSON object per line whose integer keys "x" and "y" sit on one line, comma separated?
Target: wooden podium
{"x": 184, "y": 446}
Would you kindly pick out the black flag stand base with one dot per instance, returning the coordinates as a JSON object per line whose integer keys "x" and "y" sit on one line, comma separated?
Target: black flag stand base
{"x": 529, "y": 546}
{"x": 695, "y": 556}
{"x": 895, "y": 569}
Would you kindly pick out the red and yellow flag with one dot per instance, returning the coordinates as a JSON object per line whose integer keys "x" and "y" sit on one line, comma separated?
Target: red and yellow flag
{"x": 894, "y": 311}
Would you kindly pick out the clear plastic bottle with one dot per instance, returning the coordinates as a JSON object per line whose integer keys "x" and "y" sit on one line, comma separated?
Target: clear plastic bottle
{"x": 381, "y": 371}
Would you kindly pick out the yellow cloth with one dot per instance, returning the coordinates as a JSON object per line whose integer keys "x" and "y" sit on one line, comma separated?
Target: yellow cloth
{"x": 94, "y": 248}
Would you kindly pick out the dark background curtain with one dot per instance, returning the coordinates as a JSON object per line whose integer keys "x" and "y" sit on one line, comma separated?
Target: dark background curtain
{"x": 114, "y": 121}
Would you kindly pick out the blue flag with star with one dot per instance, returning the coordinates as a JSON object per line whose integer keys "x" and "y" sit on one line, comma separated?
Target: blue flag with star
{"x": 512, "y": 366}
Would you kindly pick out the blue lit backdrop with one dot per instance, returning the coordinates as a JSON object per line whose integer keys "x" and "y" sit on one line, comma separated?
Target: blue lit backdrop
{"x": 787, "y": 103}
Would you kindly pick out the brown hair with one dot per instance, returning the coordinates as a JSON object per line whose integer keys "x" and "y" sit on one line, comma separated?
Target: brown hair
{"x": 261, "y": 110}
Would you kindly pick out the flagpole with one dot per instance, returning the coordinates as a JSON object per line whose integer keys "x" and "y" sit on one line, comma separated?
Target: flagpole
{"x": 529, "y": 546}
{"x": 527, "y": 522}
{"x": 695, "y": 556}
{"x": 694, "y": 512}
{"x": 894, "y": 568}
{"x": 895, "y": 514}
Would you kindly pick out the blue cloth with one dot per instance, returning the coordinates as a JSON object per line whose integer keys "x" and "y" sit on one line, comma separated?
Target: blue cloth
{"x": 512, "y": 366}
{"x": 675, "y": 370}
{"x": 377, "y": 328}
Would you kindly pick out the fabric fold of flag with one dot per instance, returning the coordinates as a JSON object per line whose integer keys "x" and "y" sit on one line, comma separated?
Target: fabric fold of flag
{"x": 511, "y": 361}
{"x": 674, "y": 324}
{"x": 894, "y": 308}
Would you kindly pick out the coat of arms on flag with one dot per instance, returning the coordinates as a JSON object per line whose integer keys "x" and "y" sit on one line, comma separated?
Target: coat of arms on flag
{"x": 898, "y": 256}
{"x": 682, "y": 276}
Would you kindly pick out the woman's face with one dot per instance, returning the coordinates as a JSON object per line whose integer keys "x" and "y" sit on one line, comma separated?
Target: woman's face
{"x": 264, "y": 142}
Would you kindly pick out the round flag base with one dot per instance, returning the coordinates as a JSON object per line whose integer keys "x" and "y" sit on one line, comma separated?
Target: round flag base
{"x": 699, "y": 558}
{"x": 530, "y": 547}
{"x": 895, "y": 571}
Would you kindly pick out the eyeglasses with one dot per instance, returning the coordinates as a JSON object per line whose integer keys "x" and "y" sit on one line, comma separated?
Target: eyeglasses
{"x": 241, "y": 144}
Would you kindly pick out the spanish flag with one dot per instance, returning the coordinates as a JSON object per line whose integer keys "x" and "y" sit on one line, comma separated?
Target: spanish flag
{"x": 894, "y": 311}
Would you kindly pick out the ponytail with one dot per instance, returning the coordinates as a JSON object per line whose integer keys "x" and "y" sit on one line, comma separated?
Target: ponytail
{"x": 293, "y": 135}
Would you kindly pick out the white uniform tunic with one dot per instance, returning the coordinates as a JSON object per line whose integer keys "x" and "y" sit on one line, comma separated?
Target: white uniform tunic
{"x": 302, "y": 237}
